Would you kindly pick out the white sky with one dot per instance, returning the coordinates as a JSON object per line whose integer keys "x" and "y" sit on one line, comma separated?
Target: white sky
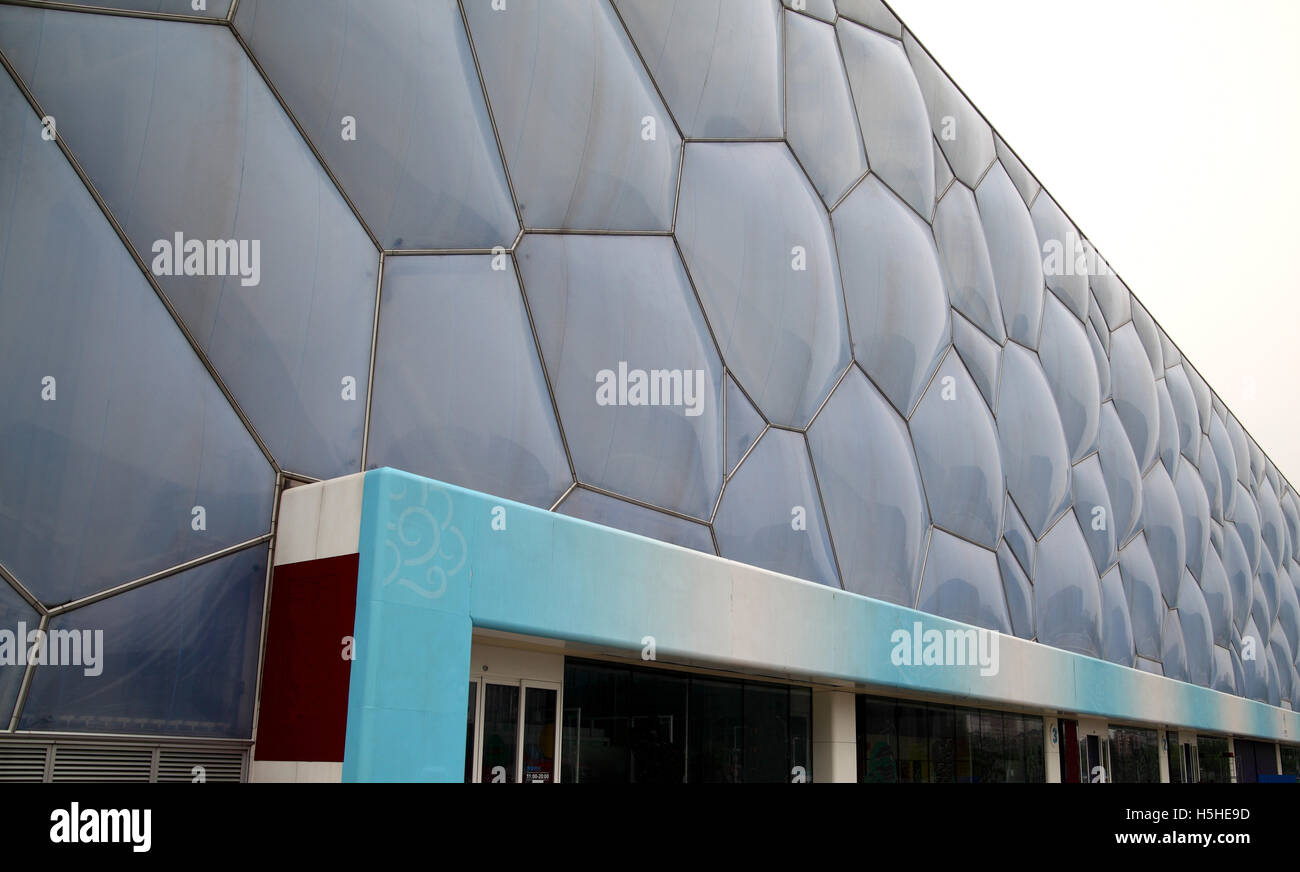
{"x": 1169, "y": 130}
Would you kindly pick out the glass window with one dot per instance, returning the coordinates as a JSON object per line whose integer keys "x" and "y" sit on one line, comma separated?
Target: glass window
{"x": 657, "y": 728}
{"x": 1215, "y": 762}
{"x": 1290, "y": 759}
{"x": 966, "y": 729}
{"x": 913, "y": 744}
{"x": 539, "y": 735}
{"x": 943, "y": 744}
{"x": 877, "y": 741}
{"x": 597, "y": 701}
{"x": 716, "y": 730}
{"x": 1134, "y": 756}
{"x": 500, "y": 733}
{"x": 767, "y": 726}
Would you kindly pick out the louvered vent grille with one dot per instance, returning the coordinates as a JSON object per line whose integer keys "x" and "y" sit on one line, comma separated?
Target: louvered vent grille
{"x": 122, "y": 762}
{"x": 22, "y": 761}
{"x": 102, "y": 763}
{"x": 177, "y": 764}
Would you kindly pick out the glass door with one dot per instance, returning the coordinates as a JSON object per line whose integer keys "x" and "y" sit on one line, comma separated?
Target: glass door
{"x": 511, "y": 734}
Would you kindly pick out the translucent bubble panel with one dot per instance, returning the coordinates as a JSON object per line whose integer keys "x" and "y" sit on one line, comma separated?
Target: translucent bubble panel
{"x": 1065, "y": 262}
{"x": 1196, "y": 516}
{"x": 1145, "y": 604}
{"x": 898, "y": 309}
{"x": 1111, "y": 294}
{"x": 244, "y": 231}
{"x": 823, "y": 9}
{"x": 120, "y": 455}
{"x": 1135, "y": 396}
{"x": 963, "y": 134}
{"x": 1188, "y": 419}
{"x": 962, "y": 582}
{"x": 872, "y": 13}
{"x": 187, "y": 661}
{"x": 1117, "y": 630}
{"x": 891, "y": 112}
{"x": 1198, "y": 634}
{"x": 1150, "y": 336}
{"x": 1162, "y": 522}
{"x": 1167, "y": 435}
{"x": 981, "y": 355}
{"x": 634, "y": 370}
{"x": 770, "y": 514}
{"x": 1067, "y": 593}
{"x": 758, "y": 244}
{"x": 601, "y": 509}
{"x": 1241, "y": 580}
{"x": 459, "y": 391}
{"x": 1034, "y": 452}
{"x": 718, "y": 62}
{"x": 820, "y": 123}
{"x": 958, "y": 452}
{"x": 13, "y": 609}
{"x": 1065, "y": 354}
{"x": 744, "y": 424}
{"x": 1024, "y": 180}
{"x": 1019, "y": 592}
{"x": 1173, "y": 654}
{"x": 1218, "y": 597}
{"x": 1016, "y": 534}
{"x": 872, "y": 489}
{"x": 403, "y": 124}
{"x": 1120, "y": 470}
{"x": 1013, "y": 252}
{"x": 1226, "y": 462}
{"x": 965, "y": 258}
{"x": 588, "y": 143}
{"x": 1093, "y": 510}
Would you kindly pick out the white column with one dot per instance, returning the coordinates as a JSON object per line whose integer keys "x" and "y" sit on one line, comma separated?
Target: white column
{"x": 1162, "y": 741}
{"x": 835, "y": 737}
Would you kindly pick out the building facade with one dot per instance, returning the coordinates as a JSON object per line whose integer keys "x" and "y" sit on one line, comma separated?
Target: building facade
{"x": 591, "y": 390}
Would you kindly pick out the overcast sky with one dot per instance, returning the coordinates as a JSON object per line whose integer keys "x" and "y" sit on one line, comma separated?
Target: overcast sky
{"x": 1169, "y": 130}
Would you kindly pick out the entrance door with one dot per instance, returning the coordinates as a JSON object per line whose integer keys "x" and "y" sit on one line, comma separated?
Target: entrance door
{"x": 1094, "y": 754}
{"x": 513, "y": 734}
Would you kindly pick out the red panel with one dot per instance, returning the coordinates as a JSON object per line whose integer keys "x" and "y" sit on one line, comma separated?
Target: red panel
{"x": 305, "y": 678}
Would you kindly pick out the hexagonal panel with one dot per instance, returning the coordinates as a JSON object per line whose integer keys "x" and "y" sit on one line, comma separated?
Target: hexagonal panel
{"x": 964, "y": 136}
{"x": 1035, "y": 456}
{"x": 962, "y": 582}
{"x": 1065, "y": 356}
{"x": 958, "y": 453}
{"x": 421, "y": 162}
{"x": 758, "y": 244}
{"x": 602, "y": 509}
{"x": 820, "y": 124}
{"x": 460, "y": 395}
{"x": 636, "y": 377}
{"x": 1134, "y": 391}
{"x": 587, "y": 140}
{"x": 891, "y": 113}
{"x": 1067, "y": 593}
{"x": 718, "y": 62}
{"x": 113, "y": 432}
{"x": 770, "y": 514}
{"x": 246, "y": 234}
{"x": 872, "y": 489}
{"x": 898, "y": 309}
{"x": 1013, "y": 253}
{"x": 965, "y": 259}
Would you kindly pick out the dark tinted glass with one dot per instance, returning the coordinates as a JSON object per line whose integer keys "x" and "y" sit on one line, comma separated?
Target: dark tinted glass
{"x": 877, "y": 741}
{"x": 1134, "y": 756}
{"x": 469, "y": 731}
{"x": 657, "y": 728}
{"x": 539, "y": 735}
{"x": 767, "y": 726}
{"x": 1215, "y": 762}
{"x": 500, "y": 733}
{"x": 717, "y": 724}
{"x": 596, "y": 705}
{"x": 913, "y": 744}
